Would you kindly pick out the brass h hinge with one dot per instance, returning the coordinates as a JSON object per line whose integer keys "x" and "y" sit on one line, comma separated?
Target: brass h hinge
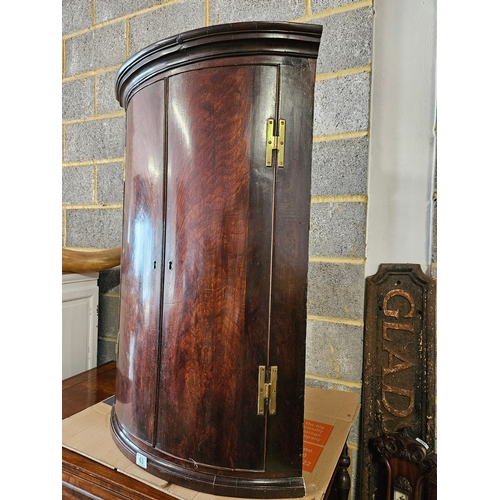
{"x": 275, "y": 142}
{"x": 267, "y": 390}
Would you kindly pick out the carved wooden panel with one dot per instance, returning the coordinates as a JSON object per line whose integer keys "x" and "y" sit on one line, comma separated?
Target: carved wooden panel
{"x": 399, "y": 380}
{"x": 410, "y": 467}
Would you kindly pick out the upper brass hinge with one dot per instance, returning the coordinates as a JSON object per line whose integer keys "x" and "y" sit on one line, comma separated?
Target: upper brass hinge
{"x": 275, "y": 142}
{"x": 267, "y": 390}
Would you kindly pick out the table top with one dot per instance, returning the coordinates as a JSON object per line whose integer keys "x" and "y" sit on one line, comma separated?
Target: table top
{"x": 88, "y": 388}
{"x": 82, "y": 477}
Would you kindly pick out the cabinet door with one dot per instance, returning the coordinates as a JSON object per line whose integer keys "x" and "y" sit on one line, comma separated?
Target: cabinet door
{"x": 219, "y": 224}
{"x": 141, "y": 263}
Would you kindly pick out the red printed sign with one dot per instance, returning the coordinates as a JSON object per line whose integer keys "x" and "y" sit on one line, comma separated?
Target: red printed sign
{"x": 316, "y": 432}
{"x": 316, "y": 435}
{"x": 310, "y": 456}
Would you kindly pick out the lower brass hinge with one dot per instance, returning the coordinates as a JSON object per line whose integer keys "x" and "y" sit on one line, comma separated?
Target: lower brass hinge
{"x": 267, "y": 390}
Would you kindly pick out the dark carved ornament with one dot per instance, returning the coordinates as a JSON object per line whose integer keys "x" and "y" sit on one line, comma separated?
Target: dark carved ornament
{"x": 401, "y": 483}
{"x": 410, "y": 471}
{"x": 403, "y": 445}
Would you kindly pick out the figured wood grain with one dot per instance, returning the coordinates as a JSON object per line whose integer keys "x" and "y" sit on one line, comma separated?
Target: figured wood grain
{"x": 230, "y": 235}
{"x": 218, "y": 246}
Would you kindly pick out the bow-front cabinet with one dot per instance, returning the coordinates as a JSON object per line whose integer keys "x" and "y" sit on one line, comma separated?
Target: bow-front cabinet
{"x": 211, "y": 356}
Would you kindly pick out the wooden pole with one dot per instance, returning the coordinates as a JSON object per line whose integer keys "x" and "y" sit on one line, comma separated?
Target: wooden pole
{"x": 87, "y": 261}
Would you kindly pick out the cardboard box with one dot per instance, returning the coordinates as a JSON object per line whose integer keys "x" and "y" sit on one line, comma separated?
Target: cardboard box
{"x": 328, "y": 417}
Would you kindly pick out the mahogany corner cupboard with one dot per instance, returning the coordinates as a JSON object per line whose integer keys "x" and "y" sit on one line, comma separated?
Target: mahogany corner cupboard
{"x": 211, "y": 351}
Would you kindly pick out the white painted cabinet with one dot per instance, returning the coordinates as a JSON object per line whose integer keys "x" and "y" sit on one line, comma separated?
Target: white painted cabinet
{"x": 80, "y": 299}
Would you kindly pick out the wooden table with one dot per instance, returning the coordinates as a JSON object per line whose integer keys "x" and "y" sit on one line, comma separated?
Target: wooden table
{"x": 82, "y": 478}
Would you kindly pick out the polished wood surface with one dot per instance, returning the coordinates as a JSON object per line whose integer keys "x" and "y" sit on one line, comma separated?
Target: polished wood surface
{"x": 257, "y": 38}
{"x": 142, "y": 263}
{"x": 88, "y": 388}
{"x": 88, "y": 261}
{"x": 215, "y": 255}
{"x": 82, "y": 478}
{"x": 288, "y": 311}
{"x": 216, "y": 336}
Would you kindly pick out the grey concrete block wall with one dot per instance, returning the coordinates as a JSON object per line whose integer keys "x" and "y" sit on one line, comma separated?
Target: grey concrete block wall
{"x": 347, "y": 239}
{"x": 344, "y": 345}
{"x": 162, "y": 23}
{"x": 106, "y": 351}
{"x": 95, "y": 139}
{"x": 93, "y": 228}
{"x": 106, "y": 10}
{"x": 109, "y": 310}
{"x": 342, "y": 104}
{"x": 340, "y": 167}
{"x": 78, "y": 98}
{"x": 99, "y": 48}
{"x": 346, "y": 40}
{"x": 318, "y": 6}
{"x": 110, "y": 183}
{"x": 229, "y": 11}
{"x": 78, "y": 185}
{"x": 336, "y": 291}
{"x": 99, "y": 36}
{"x": 76, "y": 15}
{"x": 109, "y": 281}
{"x": 106, "y": 101}
{"x": 109, "y": 306}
